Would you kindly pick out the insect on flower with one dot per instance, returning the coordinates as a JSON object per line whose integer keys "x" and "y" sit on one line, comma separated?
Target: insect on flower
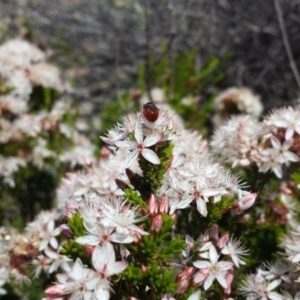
{"x": 150, "y": 112}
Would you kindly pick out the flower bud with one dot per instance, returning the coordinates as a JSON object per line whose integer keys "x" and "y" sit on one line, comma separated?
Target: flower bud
{"x": 156, "y": 224}
{"x": 89, "y": 249}
{"x": 105, "y": 152}
{"x": 153, "y": 206}
{"x": 229, "y": 279}
{"x": 66, "y": 231}
{"x": 121, "y": 184}
{"x": 246, "y": 201}
{"x": 223, "y": 241}
{"x": 164, "y": 205}
{"x": 56, "y": 290}
{"x": 215, "y": 233}
{"x": 144, "y": 268}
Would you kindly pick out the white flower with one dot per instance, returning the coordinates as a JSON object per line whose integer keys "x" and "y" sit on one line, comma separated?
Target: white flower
{"x": 58, "y": 261}
{"x": 279, "y": 270}
{"x": 236, "y": 251}
{"x": 104, "y": 262}
{"x": 79, "y": 283}
{"x": 122, "y": 218}
{"x": 256, "y": 287}
{"x": 215, "y": 270}
{"x": 271, "y": 160}
{"x": 48, "y": 234}
{"x": 99, "y": 235}
{"x": 287, "y": 118}
{"x": 139, "y": 146}
{"x": 114, "y": 135}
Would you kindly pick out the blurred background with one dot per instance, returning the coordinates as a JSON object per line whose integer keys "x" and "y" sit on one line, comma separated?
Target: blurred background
{"x": 102, "y": 43}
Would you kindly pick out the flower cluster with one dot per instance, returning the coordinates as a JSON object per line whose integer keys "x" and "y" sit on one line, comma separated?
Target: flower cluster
{"x": 159, "y": 215}
{"x": 27, "y": 136}
{"x": 269, "y": 145}
{"x": 234, "y": 101}
{"x": 39, "y": 139}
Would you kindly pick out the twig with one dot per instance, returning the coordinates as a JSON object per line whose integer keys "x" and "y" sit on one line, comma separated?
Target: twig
{"x": 148, "y": 51}
{"x": 286, "y": 42}
{"x": 170, "y": 48}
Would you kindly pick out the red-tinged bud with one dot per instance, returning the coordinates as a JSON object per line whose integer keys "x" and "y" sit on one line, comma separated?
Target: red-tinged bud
{"x": 182, "y": 285}
{"x": 260, "y": 221}
{"x": 200, "y": 276}
{"x": 186, "y": 273}
{"x": 121, "y": 184}
{"x": 156, "y": 224}
{"x": 132, "y": 298}
{"x": 229, "y": 279}
{"x": 89, "y": 249}
{"x": 245, "y": 218}
{"x": 66, "y": 231}
{"x": 215, "y": 233}
{"x": 56, "y": 290}
{"x": 105, "y": 152}
{"x": 223, "y": 241}
{"x": 247, "y": 201}
{"x": 129, "y": 174}
{"x": 152, "y": 206}
{"x": 164, "y": 205}
{"x": 144, "y": 268}
{"x": 150, "y": 112}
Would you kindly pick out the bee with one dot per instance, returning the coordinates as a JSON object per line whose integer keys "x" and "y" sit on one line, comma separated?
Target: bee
{"x": 150, "y": 112}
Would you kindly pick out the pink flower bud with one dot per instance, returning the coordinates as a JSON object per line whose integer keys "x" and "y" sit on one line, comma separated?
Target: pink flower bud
{"x": 164, "y": 205}
{"x": 66, "y": 231}
{"x": 245, "y": 218}
{"x": 144, "y": 268}
{"x": 183, "y": 280}
{"x": 186, "y": 273}
{"x": 200, "y": 276}
{"x": 229, "y": 279}
{"x": 215, "y": 233}
{"x": 153, "y": 206}
{"x": 89, "y": 249}
{"x": 260, "y": 221}
{"x": 156, "y": 224}
{"x": 246, "y": 201}
{"x": 105, "y": 152}
{"x": 56, "y": 290}
{"x": 223, "y": 241}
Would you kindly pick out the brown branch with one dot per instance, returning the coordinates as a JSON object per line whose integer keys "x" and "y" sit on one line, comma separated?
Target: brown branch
{"x": 286, "y": 42}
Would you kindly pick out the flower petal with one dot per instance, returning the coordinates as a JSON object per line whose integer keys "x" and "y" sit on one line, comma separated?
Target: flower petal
{"x": 117, "y": 267}
{"x": 131, "y": 158}
{"x": 151, "y": 156}
{"x": 222, "y": 280}
{"x": 152, "y": 139}
{"x": 208, "y": 282}
{"x": 202, "y": 264}
{"x": 88, "y": 240}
